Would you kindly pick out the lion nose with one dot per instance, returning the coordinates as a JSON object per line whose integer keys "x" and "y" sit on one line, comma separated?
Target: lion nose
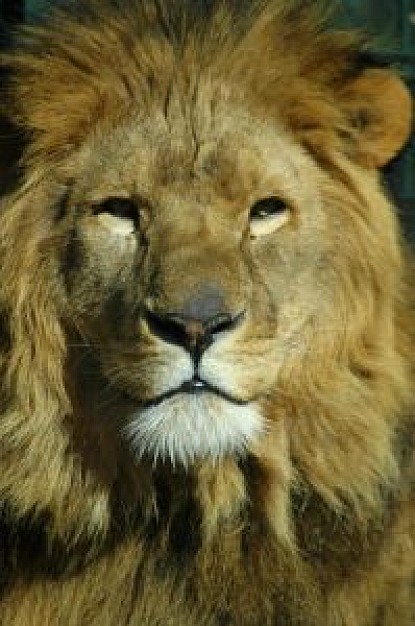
{"x": 196, "y": 325}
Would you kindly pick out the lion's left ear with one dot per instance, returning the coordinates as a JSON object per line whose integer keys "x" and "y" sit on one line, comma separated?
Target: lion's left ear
{"x": 379, "y": 107}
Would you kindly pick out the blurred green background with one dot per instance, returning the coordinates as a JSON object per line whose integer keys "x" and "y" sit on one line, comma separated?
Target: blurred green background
{"x": 392, "y": 22}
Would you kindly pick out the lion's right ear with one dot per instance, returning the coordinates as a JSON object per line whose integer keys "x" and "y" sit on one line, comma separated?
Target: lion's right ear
{"x": 379, "y": 107}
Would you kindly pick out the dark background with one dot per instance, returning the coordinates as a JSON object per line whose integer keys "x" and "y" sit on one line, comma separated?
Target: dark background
{"x": 392, "y": 22}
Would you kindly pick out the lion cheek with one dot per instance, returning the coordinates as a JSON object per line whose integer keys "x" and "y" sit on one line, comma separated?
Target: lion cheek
{"x": 246, "y": 375}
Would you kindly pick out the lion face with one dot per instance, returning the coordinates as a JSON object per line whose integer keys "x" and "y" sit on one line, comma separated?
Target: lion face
{"x": 200, "y": 255}
{"x": 198, "y": 273}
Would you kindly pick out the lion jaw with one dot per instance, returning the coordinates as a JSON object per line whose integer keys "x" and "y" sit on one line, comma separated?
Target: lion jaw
{"x": 187, "y": 426}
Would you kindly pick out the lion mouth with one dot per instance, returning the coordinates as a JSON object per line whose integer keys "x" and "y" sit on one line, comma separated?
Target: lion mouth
{"x": 194, "y": 386}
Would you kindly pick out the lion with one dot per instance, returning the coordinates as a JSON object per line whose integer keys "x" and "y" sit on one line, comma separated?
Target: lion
{"x": 206, "y": 322}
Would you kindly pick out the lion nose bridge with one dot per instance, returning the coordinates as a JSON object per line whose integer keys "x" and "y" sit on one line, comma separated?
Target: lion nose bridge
{"x": 195, "y": 298}
{"x": 203, "y": 315}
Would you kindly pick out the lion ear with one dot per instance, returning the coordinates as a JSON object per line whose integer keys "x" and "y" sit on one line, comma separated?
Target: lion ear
{"x": 379, "y": 107}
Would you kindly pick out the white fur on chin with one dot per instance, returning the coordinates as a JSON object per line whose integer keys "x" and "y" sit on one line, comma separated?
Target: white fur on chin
{"x": 189, "y": 426}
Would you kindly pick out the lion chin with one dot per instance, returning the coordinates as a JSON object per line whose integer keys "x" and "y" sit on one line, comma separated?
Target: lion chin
{"x": 207, "y": 402}
{"x": 198, "y": 412}
{"x": 190, "y": 425}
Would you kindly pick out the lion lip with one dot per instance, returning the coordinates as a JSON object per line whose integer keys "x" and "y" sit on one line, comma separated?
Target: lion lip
{"x": 195, "y": 386}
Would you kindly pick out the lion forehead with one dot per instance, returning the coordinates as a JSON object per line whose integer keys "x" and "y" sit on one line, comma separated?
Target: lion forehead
{"x": 230, "y": 152}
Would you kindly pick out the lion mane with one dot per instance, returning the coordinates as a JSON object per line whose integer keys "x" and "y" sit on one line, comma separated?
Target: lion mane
{"x": 283, "y": 492}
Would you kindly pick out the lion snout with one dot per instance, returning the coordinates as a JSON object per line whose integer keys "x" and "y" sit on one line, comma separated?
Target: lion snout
{"x": 203, "y": 317}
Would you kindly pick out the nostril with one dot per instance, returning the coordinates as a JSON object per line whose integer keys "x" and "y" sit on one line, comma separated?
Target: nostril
{"x": 223, "y": 323}
{"x": 166, "y": 327}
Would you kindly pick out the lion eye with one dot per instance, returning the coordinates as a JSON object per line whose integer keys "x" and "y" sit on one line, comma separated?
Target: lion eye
{"x": 120, "y": 215}
{"x": 267, "y": 215}
{"x": 267, "y": 208}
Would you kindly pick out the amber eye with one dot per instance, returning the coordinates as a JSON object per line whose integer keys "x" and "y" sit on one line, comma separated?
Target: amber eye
{"x": 266, "y": 208}
{"x": 122, "y": 208}
{"x": 267, "y": 215}
{"x": 120, "y": 215}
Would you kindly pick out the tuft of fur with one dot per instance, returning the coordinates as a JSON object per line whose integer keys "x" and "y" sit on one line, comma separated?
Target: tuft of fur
{"x": 293, "y": 504}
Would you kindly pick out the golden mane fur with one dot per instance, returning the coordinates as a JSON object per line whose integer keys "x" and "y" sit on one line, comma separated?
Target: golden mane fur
{"x": 313, "y": 524}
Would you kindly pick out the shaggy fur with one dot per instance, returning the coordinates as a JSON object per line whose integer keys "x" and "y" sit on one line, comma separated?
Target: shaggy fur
{"x": 283, "y": 493}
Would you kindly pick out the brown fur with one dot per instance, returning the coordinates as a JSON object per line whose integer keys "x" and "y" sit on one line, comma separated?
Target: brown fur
{"x": 197, "y": 113}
